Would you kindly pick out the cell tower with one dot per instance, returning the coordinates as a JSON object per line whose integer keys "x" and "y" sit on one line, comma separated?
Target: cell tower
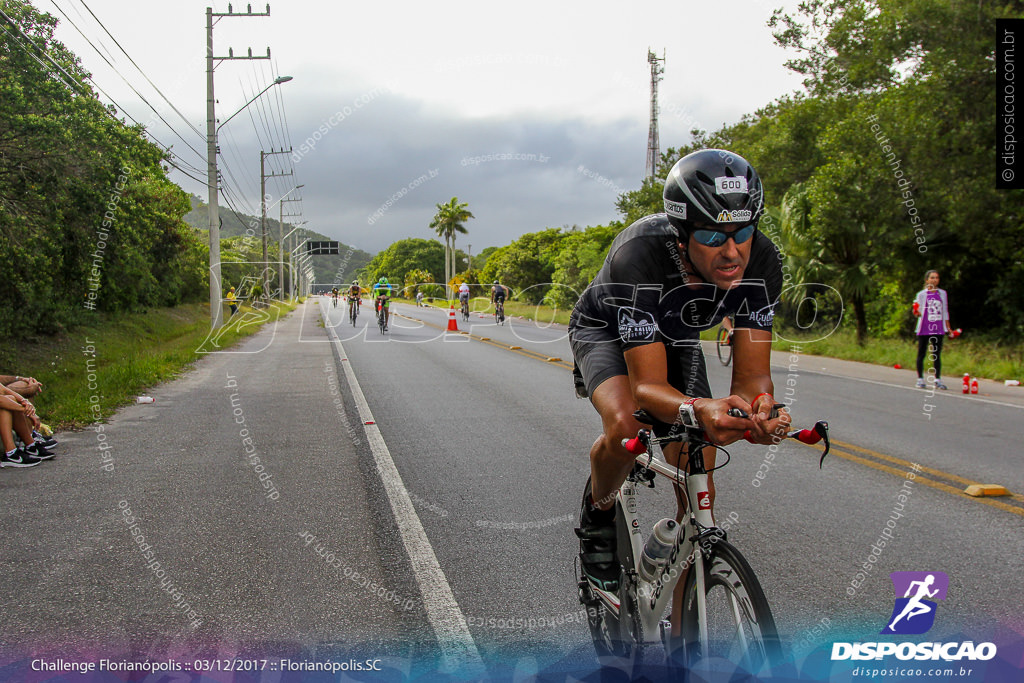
{"x": 653, "y": 144}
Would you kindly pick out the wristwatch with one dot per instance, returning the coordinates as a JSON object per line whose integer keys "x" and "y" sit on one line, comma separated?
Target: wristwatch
{"x": 687, "y": 415}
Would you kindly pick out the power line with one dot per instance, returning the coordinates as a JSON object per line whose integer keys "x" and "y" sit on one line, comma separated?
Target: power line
{"x": 78, "y": 88}
{"x": 127, "y": 82}
{"x": 168, "y": 101}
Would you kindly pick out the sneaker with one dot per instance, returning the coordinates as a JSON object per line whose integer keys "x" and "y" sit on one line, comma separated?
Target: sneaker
{"x": 44, "y": 441}
{"x": 920, "y": 383}
{"x": 20, "y": 458}
{"x": 940, "y": 385}
{"x": 37, "y": 450}
{"x": 597, "y": 545}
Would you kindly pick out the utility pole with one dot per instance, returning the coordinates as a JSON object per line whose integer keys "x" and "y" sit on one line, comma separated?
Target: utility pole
{"x": 280, "y": 243}
{"x": 263, "y": 211}
{"x": 212, "y": 179}
{"x": 653, "y": 144}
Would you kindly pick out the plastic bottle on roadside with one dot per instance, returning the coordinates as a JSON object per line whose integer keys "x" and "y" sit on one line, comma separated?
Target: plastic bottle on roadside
{"x": 657, "y": 548}
{"x": 144, "y": 399}
{"x": 967, "y": 383}
{"x": 974, "y": 385}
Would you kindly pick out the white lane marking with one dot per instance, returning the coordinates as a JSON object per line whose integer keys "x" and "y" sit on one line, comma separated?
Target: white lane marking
{"x": 457, "y": 646}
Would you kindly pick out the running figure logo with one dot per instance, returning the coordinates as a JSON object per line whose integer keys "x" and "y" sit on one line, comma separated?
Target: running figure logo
{"x": 914, "y": 612}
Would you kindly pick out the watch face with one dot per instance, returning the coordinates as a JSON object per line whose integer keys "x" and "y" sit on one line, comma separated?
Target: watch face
{"x": 687, "y": 416}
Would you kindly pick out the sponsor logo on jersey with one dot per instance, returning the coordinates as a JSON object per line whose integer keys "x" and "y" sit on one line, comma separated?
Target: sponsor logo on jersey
{"x": 730, "y": 185}
{"x": 703, "y": 500}
{"x": 675, "y": 209}
{"x": 764, "y": 316}
{"x": 636, "y": 325}
{"x": 738, "y": 216}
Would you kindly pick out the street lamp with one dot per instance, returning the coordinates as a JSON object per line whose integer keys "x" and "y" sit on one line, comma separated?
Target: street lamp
{"x": 293, "y": 279}
{"x": 212, "y": 180}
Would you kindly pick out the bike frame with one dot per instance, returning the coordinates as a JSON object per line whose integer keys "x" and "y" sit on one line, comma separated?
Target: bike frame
{"x": 653, "y": 596}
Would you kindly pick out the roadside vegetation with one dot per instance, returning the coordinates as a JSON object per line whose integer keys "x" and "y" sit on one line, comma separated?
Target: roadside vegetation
{"x": 133, "y": 352}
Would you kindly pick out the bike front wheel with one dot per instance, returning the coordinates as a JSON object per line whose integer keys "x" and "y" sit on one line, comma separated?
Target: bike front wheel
{"x": 740, "y": 625}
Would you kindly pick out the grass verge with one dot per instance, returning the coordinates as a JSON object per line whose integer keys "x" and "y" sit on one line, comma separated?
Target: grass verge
{"x": 118, "y": 357}
{"x": 989, "y": 360}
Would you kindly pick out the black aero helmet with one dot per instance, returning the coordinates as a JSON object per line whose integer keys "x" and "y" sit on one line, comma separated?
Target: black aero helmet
{"x": 712, "y": 189}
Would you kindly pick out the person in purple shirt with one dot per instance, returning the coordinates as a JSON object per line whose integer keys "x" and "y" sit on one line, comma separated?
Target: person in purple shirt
{"x": 932, "y": 309}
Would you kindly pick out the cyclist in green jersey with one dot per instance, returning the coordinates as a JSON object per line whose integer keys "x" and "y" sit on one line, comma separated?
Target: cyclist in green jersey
{"x": 382, "y": 294}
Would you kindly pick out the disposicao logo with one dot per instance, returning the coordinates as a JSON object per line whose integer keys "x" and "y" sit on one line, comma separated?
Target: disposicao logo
{"x": 914, "y": 613}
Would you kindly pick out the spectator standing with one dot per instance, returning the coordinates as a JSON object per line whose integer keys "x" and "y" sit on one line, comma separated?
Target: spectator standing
{"x": 932, "y": 310}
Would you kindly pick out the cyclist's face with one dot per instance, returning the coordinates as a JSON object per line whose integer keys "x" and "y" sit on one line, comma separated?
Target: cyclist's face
{"x": 724, "y": 265}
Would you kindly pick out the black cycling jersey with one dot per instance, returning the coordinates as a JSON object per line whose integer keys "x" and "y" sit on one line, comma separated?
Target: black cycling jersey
{"x": 499, "y": 293}
{"x": 638, "y": 297}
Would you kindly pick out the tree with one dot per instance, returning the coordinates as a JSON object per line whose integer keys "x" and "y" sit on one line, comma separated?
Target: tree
{"x": 925, "y": 69}
{"x": 405, "y": 256}
{"x": 448, "y": 221}
{"x": 526, "y": 264}
{"x": 87, "y": 214}
{"x": 580, "y": 255}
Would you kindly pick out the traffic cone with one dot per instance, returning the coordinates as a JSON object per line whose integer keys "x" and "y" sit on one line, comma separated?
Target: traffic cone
{"x": 453, "y": 325}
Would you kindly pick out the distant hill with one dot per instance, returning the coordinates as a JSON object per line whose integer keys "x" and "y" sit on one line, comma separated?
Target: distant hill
{"x": 327, "y": 268}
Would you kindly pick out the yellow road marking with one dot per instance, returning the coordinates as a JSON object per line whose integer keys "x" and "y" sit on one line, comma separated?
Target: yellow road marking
{"x": 837, "y": 448}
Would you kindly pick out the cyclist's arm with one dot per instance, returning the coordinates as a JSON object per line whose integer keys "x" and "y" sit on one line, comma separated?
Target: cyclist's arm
{"x": 752, "y": 379}
{"x": 648, "y": 376}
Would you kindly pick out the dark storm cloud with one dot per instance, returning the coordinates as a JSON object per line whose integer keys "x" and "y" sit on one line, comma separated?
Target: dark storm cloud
{"x": 375, "y": 165}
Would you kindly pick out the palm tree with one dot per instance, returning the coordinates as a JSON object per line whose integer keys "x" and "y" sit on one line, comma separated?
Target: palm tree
{"x": 448, "y": 222}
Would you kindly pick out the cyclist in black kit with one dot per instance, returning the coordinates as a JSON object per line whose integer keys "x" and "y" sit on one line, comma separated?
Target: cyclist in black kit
{"x": 498, "y": 295}
{"x": 634, "y": 332}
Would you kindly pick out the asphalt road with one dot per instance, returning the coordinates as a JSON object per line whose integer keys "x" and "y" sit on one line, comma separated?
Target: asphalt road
{"x": 442, "y": 532}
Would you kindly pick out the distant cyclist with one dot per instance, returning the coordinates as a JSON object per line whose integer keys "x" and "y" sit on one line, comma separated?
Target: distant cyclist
{"x": 334, "y": 296}
{"x": 382, "y": 295}
{"x": 354, "y": 292}
{"x": 464, "y": 298}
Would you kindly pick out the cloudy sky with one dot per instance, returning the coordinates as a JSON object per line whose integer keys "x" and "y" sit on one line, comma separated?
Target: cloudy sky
{"x": 535, "y": 113}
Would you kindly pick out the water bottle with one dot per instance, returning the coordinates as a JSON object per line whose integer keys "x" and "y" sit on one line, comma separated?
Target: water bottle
{"x": 144, "y": 399}
{"x": 657, "y": 548}
{"x": 967, "y": 383}
{"x": 974, "y": 385}
{"x": 917, "y": 309}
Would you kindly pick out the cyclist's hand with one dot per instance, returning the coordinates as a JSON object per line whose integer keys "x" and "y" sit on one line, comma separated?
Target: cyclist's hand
{"x": 767, "y": 430}
{"x": 720, "y": 427}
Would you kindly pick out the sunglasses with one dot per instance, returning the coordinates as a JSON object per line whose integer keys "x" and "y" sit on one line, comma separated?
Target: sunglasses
{"x": 716, "y": 238}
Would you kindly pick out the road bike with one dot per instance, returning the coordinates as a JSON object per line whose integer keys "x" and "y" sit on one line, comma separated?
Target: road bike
{"x": 382, "y": 315}
{"x": 499, "y": 312}
{"x": 465, "y": 310}
{"x": 725, "y": 613}
{"x": 353, "y": 309}
{"x": 335, "y": 301}
{"x": 724, "y": 344}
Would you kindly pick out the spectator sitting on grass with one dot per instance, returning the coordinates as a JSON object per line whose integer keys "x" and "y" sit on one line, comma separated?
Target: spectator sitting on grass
{"x": 27, "y": 387}
{"x": 17, "y": 413}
